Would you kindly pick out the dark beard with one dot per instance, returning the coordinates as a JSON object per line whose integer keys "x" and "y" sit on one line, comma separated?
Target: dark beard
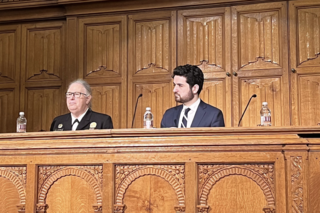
{"x": 186, "y": 99}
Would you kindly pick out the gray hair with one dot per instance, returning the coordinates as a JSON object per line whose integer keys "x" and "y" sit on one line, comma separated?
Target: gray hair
{"x": 86, "y": 86}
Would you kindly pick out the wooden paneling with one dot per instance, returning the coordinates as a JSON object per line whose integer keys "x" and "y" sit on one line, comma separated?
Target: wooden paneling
{"x": 204, "y": 40}
{"x": 150, "y": 194}
{"x": 105, "y": 99}
{"x": 103, "y": 63}
{"x": 9, "y": 197}
{"x": 151, "y": 61}
{"x": 70, "y": 195}
{"x": 8, "y": 112}
{"x": 305, "y": 61}
{"x": 42, "y": 106}
{"x": 259, "y": 65}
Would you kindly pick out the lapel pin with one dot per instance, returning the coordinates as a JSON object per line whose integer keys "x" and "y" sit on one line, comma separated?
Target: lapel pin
{"x": 60, "y": 126}
{"x": 93, "y": 125}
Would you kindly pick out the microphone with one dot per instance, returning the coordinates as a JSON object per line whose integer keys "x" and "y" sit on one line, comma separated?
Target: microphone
{"x": 253, "y": 96}
{"x": 135, "y": 109}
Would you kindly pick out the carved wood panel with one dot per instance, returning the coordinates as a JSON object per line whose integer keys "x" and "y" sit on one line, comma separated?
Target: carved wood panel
{"x": 158, "y": 96}
{"x": 8, "y": 110}
{"x": 106, "y": 99}
{"x": 267, "y": 90}
{"x": 259, "y": 65}
{"x": 103, "y": 63}
{"x": 305, "y": 61}
{"x": 43, "y": 49}
{"x": 86, "y": 177}
{"x": 13, "y": 189}
{"x": 9, "y": 53}
{"x": 42, "y": 106}
{"x": 151, "y": 59}
{"x": 261, "y": 174}
{"x": 173, "y": 175}
{"x": 204, "y": 40}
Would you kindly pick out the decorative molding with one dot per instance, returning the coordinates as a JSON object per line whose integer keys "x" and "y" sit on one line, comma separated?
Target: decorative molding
{"x": 18, "y": 176}
{"x": 203, "y": 209}
{"x": 297, "y": 183}
{"x": 180, "y": 209}
{"x": 151, "y": 68}
{"x": 262, "y": 174}
{"x": 97, "y": 208}
{"x": 206, "y": 67}
{"x": 101, "y": 71}
{"x": 173, "y": 174}
{"x": 50, "y": 174}
{"x": 269, "y": 209}
{"x": 44, "y": 75}
{"x": 21, "y": 208}
{"x": 119, "y": 208}
{"x": 41, "y": 208}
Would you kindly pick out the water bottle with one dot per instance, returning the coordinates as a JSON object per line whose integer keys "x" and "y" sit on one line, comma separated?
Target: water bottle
{"x": 21, "y": 123}
{"x": 148, "y": 119}
{"x": 265, "y": 114}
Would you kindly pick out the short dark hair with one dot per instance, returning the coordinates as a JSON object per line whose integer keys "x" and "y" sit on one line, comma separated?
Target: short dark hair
{"x": 192, "y": 73}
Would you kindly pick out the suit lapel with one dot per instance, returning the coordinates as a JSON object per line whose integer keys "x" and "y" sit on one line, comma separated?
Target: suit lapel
{"x": 177, "y": 115}
{"x": 67, "y": 123}
{"x": 199, "y": 114}
{"x": 85, "y": 120}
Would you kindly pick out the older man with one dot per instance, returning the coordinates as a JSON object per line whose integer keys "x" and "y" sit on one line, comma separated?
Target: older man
{"x": 81, "y": 116}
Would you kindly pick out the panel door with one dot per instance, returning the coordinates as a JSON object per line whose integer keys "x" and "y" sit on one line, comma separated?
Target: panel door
{"x": 10, "y": 40}
{"x": 259, "y": 62}
{"x": 103, "y": 64}
{"x": 151, "y": 59}
{"x": 42, "y": 73}
{"x": 305, "y": 62}
{"x": 204, "y": 40}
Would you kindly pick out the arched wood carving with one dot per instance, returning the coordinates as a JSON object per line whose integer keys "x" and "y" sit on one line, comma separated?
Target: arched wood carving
{"x": 17, "y": 175}
{"x": 87, "y": 173}
{"x": 297, "y": 184}
{"x": 173, "y": 174}
{"x": 209, "y": 175}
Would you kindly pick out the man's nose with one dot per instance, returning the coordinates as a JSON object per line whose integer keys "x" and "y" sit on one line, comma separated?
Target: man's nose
{"x": 175, "y": 89}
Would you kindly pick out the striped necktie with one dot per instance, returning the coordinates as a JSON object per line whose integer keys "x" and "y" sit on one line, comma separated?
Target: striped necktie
{"x": 185, "y": 118}
{"x": 75, "y": 125}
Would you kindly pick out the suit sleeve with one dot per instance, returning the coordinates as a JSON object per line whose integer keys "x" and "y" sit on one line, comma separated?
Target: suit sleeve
{"x": 107, "y": 124}
{"x": 218, "y": 120}
{"x": 52, "y": 125}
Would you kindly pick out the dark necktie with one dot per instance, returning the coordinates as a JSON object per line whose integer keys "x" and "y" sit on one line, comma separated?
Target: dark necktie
{"x": 185, "y": 118}
{"x": 75, "y": 122}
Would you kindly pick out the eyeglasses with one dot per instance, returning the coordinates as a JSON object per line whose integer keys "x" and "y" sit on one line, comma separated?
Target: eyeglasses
{"x": 75, "y": 94}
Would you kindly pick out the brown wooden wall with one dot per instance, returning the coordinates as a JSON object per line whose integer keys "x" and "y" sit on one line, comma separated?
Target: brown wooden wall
{"x": 125, "y": 48}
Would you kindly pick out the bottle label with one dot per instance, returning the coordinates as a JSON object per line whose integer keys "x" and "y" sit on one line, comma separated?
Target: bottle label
{"x": 21, "y": 128}
{"x": 148, "y": 124}
{"x": 265, "y": 120}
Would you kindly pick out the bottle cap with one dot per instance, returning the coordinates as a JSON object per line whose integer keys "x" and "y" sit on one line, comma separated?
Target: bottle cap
{"x": 148, "y": 108}
{"x": 264, "y": 103}
{"x": 21, "y": 113}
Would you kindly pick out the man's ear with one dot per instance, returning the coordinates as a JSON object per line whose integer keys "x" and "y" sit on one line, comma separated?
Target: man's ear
{"x": 195, "y": 88}
{"x": 88, "y": 99}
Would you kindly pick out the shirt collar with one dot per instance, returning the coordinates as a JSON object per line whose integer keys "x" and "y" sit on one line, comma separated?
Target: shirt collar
{"x": 194, "y": 106}
{"x": 79, "y": 118}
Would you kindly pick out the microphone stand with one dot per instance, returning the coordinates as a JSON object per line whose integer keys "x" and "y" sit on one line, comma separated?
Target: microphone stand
{"x": 253, "y": 96}
{"x": 135, "y": 109}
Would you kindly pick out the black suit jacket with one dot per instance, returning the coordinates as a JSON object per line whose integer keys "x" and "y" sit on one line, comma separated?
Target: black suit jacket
{"x": 63, "y": 122}
{"x": 206, "y": 116}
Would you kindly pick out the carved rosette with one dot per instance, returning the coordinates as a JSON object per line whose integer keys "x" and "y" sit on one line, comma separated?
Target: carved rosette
{"x": 18, "y": 176}
{"x": 118, "y": 208}
{"x": 48, "y": 175}
{"x": 262, "y": 174}
{"x": 203, "y": 209}
{"x": 297, "y": 184}
{"x": 173, "y": 174}
{"x": 180, "y": 209}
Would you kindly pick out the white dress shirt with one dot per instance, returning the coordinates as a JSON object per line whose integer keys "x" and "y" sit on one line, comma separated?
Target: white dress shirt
{"x": 74, "y": 127}
{"x": 191, "y": 113}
